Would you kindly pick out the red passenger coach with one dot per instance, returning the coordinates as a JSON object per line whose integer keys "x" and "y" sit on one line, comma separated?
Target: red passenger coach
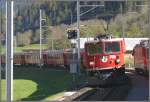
{"x": 104, "y": 55}
{"x": 141, "y": 56}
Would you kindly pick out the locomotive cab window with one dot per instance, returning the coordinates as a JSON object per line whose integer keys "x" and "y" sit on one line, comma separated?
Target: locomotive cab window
{"x": 111, "y": 47}
{"x": 94, "y": 49}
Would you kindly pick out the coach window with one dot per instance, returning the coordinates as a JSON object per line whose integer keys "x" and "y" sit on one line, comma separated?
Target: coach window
{"x": 112, "y": 47}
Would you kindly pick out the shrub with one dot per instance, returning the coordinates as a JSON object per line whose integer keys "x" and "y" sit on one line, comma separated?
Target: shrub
{"x": 129, "y": 62}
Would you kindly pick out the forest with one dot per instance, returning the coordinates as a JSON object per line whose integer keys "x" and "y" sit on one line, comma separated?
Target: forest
{"x": 110, "y": 17}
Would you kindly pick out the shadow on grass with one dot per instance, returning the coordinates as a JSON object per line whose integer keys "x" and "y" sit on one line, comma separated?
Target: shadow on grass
{"x": 49, "y": 82}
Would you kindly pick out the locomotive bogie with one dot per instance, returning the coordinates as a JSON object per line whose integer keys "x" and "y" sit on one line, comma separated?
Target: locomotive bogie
{"x": 105, "y": 77}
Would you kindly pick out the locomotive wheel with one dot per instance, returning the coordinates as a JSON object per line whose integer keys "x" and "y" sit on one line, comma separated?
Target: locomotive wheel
{"x": 117, "y": 77}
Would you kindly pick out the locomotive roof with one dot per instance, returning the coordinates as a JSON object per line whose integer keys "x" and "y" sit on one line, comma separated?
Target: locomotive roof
{"x": 105, "y": 40}
{"x": 143, "y": 43}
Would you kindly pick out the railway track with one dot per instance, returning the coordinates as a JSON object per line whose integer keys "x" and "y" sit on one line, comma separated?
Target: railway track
{"x": 101, "y": 93}
{"x": 97, "y": 95}
{"x": 108, "y": 94}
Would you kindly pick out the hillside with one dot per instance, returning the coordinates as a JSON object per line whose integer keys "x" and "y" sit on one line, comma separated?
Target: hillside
{"x": 61, "y": 15}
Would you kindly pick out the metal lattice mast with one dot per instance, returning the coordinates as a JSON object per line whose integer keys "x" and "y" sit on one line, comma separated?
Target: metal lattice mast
{"x": 41, "y": 19}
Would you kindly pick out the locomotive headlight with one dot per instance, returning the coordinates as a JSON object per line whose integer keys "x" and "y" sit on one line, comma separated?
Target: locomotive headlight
{"x": 91, "y": 63}
{"x": 117, "y": 61}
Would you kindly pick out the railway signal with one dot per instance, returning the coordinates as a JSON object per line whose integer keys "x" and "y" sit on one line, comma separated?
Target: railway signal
{"x": 72, "y": 34}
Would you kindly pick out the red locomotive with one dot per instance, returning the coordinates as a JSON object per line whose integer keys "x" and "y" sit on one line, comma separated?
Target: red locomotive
{"x": 104, "y": 57}
{"x": 141, "y": 57}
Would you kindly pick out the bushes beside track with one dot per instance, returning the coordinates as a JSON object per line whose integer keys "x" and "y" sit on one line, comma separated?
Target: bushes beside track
{"x": 129, "y": 62}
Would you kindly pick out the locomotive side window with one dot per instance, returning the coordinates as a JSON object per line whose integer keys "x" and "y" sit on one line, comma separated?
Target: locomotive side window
{"x": 94, "y": 49}
{"x": 112, "y": 47}
{"x": 147, "y": 53}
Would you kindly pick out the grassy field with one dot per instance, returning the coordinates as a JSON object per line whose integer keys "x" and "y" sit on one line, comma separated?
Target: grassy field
{"x": 32, "y": 46}
{"x": 32, "y": 84}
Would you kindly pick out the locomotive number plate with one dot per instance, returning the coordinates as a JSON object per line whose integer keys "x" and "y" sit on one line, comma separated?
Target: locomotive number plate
{"x": 112, "y": 57}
